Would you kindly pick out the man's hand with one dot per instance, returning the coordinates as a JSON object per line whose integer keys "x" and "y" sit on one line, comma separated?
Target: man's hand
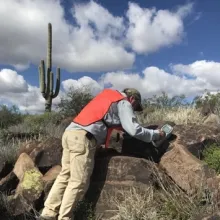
{"x": 162, "y": 134}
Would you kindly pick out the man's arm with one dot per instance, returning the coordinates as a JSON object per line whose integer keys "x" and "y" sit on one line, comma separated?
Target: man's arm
{"x": 131, "y": 126}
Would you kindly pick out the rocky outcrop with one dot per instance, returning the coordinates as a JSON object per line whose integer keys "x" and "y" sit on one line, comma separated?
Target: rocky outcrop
{"x": 117, "y": 173}
{"x": 127, "y": 163}
{"x": 212, "y": 119}
{"x": 29, "y": 188}
{"x": 187, "y": 171}
{"x": 47, "y": 154}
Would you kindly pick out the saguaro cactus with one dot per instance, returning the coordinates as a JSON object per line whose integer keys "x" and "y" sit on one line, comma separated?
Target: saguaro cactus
{"x": 46, "y": 82}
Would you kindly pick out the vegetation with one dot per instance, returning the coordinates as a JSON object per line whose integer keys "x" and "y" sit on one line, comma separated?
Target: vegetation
{"x": 46, "y": 85}
{"x": 74, "y": 101}
{"x": 210, "y": 103}
{"x": 166, "y": 202}
{"x": 211, "y": 156}
{"x": 9, "y": 116}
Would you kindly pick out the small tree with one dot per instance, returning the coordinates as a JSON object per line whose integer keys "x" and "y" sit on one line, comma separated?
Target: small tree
{"x": 164, "y": 101}
{"x": 9, "y": 116}
{"x": 74, "y": 101}
{"x": 210, "y": 103}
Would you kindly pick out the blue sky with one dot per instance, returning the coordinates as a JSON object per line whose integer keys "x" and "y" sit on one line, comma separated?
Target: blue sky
{"x": 152, "y": 45}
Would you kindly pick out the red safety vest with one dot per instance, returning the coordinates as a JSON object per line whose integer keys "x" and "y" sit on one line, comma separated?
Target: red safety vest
{"x": 96, "y": 109}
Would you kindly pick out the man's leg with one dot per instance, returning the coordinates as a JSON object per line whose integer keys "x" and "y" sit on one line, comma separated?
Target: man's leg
{"x": 82, "y": 153}
{"x": 54, "y": 199}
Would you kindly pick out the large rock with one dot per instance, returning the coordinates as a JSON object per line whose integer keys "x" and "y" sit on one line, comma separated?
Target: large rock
{"x": 122, "y": 168}
{"x": 30, "y": 185}
{"x": 186, "y": 170}
{"x": 49, "y": 178}
{"x": 23, "y": 164}
{"x": 47, "y": 154}
{"x": 9, "y": 183}
{"x": 196, "y": 137}
{"x": 28, "y": 147}
{"x": 212, "y": 119}
{"x": 5, "y": 166}
{"x": 114, "y": 173}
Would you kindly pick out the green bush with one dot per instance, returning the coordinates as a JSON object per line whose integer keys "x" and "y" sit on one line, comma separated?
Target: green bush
{"x": 74, "y": 101}
{"x": 211, "y": 156}
{"x": 164, "y": 101}
{"x": 36, "y": 123}
{"x": 9, "y": 116}
{"x": 210, "y": 103}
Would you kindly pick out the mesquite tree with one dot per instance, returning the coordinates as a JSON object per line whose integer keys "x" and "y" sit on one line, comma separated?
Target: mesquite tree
{"x": 46, "y": 76}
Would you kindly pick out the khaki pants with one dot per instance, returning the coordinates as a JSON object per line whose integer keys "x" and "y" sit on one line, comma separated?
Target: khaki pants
{"x": 73, "y": 181}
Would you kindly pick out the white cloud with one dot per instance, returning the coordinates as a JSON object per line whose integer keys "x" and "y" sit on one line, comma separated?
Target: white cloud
{"x": 207, "y": 71}
{"x": 75, "y": 48}
{"x": 15, "y": 90}
{"x": 97, "y": 41}
{"x": 191, "y": 80}
{"x": 154, "y": 80}
{"x": 21, "y": 67}
{"x": 150, "y": 29}
{"x": 10, "y": 81}
{"x": 84, "y": 82}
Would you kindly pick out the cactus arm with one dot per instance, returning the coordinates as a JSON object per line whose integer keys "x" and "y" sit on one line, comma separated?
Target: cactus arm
{"x": 51, "y": 85}
{"x": 57, "y": 84}
{"x": 42, "y": 78}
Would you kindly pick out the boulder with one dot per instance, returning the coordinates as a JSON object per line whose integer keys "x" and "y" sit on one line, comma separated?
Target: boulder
{"x": 112, "y": 173}
{"x": 18, "y": 205}
{"x": 23, "y": 164}
{"x": 196, "y": 137}
{"x": 31, "y": 185}
{"x": 29, "y": 188}
{"x": 186, "y": 170}
{"x": 47, "y": 154}
{"x": 122, "y": 168}
{"x": 49, "y": 178}
{"x": 28, "y": 147}
{"x": 9, "y": 183}
{"x": 5, "y": 166}
{"x": 212, "y": 119}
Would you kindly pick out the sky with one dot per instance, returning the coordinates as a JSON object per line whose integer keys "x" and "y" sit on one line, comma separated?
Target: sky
{"x": 151, "y": 45}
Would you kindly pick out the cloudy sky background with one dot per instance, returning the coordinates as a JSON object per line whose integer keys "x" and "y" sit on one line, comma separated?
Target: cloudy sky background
{"x": 153, "y": 45}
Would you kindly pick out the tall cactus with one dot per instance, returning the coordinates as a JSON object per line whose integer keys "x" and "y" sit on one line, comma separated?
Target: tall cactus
{"x": 46, "y": 83}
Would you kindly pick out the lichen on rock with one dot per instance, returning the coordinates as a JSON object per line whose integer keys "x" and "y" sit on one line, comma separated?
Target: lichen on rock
{"x": 32, "y": 180}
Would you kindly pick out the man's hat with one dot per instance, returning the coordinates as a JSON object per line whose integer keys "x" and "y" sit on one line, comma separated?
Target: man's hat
{"x": 136, "y": 94}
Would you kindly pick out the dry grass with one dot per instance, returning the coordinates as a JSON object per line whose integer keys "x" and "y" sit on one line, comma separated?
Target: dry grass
{"x": 180, "y": 115}
{"x": 164, "y": 202}
{"x": 9, "y": 151}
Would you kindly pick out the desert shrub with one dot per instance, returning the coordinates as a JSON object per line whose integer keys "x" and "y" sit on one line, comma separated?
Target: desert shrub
{"x": 36, "y": 123}
{"x": 208, "y": 103}
{"x": 164, "y": 101}
{"x": 179, "y": 115}
{"x": 211, "y": 155}
{"x": 74, "y": 101}
{"x": 9, "y": 116}
{"x": 9, "y": 150}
